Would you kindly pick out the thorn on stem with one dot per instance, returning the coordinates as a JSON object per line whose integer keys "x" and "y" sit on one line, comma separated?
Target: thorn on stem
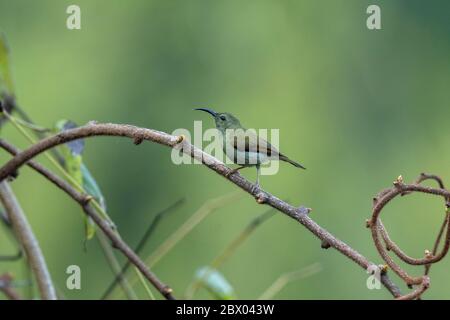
{"x": 137, "y": 140}
{"x": 374, "y": 200}
{"x": 325, "y": 244}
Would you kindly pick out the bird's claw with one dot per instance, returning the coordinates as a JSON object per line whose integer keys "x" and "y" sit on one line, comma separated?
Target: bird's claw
{"x": 256, "y": 188}
{"x": 229, "y": 173}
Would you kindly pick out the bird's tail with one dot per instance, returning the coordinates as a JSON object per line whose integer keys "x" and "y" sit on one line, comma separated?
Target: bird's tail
{"x": 295, "y": 164}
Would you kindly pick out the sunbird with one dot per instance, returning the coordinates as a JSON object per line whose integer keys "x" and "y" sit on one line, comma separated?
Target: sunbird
{"x": 244, "y": 147}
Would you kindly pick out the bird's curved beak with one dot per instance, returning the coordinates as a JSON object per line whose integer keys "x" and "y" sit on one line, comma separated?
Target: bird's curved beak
{"x": 211, "y": 112}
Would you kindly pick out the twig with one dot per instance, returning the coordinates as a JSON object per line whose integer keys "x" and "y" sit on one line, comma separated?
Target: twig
{"x": 83, "y": 201}
{"x": 29, "y": 242}
{"x": 206, "y": 209}
{"x": 377, "y": 228}
{"x": 118, "y": 243}
{"x": 423, "y": 177}
{"x": 115, "y": 266}
{"x": 284, "y": 279}
{"x": 438, "y": 240}
{"x": 242, "y": 236}
{"x": 137, "y": 134}
{"x": 39, "y": 134}
{"x": 7, "y": 224}
{"x": 7, "y": 289}
{"x": 424, "y": 285}
{"x": 228, "y": 251}
{"x": 199, "y": 215}
{"x": 141, "y": 243}
{"x": 209, "y": 207}
{"x": 13, "y": 257}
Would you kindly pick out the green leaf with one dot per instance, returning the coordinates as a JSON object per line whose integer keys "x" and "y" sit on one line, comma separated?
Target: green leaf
{"x": 75, "y": 146}
{"x": 73, "y": 163}
{"x": 6, "y": 83}
{"x": 215, "y": 283}
{"x": 89, "y": 228}
{"x": 91, "y": 186}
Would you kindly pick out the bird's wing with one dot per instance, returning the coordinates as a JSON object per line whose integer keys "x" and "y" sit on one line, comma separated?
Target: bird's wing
{"x": 249, "y": 141}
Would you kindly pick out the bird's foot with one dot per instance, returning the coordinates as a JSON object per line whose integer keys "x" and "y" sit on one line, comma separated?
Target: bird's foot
{"x": 256, "y": 188}
{"x": 231, "y": 172}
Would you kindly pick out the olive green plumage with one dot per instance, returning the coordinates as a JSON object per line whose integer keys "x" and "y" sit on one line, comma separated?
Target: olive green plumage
{"x": 244, "y": 147}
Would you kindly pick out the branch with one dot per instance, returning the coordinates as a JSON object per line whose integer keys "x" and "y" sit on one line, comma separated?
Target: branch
{"x": 285, "y": 278}
{"x": 7, "y": 289}
{"x": 115, "y": 266}
{"x": 299, "y": 214}
{"x": 419, "y": 290}
{"x": 83, "y": 201}
{"x": 28, "y": 240}
{"x": 220, "y": 259}
{"x": 377, "y": 228}
{"x": 140, "y": 246}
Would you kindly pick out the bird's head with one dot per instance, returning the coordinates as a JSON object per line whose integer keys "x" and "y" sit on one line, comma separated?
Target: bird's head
{"x": 223, "y": 120}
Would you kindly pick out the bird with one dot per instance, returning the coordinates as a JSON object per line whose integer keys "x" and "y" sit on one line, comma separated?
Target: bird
{"x": 244, "y": 147}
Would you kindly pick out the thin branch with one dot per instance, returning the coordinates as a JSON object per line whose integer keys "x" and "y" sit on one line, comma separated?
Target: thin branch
{"x": 424, "y": 285}
{"x": 28, "y": 240}
{"x": 13, "y": 257}
{"x": 118, "y": 243}
{"x": 141, "y": 244}
{"x": 6, "y": 287}
{"x": 218, "y": 261}
{"x": 198, "y": 216}
{"x": 241, "y": 237}
{"x": 299, "y": 214}
{"x": 84, "y": 202}
{"x": 438, "y": 240}
{"x": 286, "y": 278}
{"x": 377, "y": 228}
{"x": 115, "y": 266}
{"x": 10, "y": 232}
{"x": 39, "y": 134}
{"x": 209, "y": 207}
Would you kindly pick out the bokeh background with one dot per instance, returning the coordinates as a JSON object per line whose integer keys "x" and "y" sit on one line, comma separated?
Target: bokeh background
{"x": 356, "y": 107}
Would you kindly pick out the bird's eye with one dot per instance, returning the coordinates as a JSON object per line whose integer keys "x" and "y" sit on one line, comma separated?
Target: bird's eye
{"x": 223, "y": 118}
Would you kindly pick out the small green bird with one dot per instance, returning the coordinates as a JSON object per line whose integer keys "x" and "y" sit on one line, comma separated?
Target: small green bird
{"x": 245, "y": 147}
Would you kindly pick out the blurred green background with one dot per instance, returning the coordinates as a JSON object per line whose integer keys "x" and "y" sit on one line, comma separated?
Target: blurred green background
{"x": 356, "y": 107}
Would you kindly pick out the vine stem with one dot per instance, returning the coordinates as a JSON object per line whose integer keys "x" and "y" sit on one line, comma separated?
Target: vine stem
{"x": 28, "y": 240}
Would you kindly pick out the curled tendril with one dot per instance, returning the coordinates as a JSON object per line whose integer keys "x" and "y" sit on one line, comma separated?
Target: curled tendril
{"x": 384, "y": 243}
